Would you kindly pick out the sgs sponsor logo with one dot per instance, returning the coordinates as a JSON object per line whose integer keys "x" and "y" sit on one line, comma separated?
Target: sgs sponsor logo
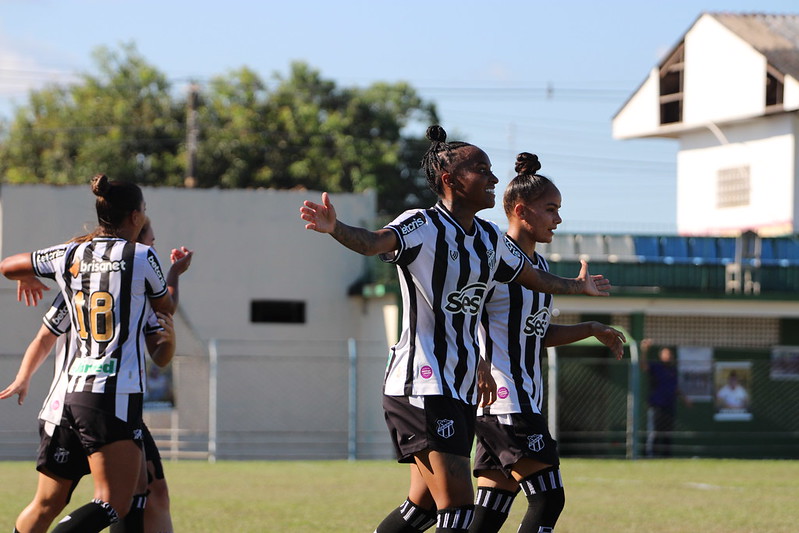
{"x": 468, "y": 300}
{"x": 537, "y": 324}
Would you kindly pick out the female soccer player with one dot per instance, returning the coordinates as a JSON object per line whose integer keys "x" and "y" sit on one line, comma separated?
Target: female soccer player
{"x": 514, "y": 446}
{"x": 62, "y": 461}
{"x": 447, "y": 259}
{"x": 110, "y": 283}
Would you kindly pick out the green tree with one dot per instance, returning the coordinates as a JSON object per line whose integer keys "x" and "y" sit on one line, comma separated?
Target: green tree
{"x": 300, "y": 130}
{"x": 121, "y": 121}
{"x": 306, "y": 132}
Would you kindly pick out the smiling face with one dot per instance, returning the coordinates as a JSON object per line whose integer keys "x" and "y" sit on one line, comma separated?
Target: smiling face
{"x": 540, "y": 217}
{"x": 471, "y": 182}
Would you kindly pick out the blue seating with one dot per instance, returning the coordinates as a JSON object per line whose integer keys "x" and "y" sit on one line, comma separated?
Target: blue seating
{"x": 726, "y": 248}
{"x": 647, "y": 247}
{"x": 768, "y": 253}
{"x": 704, "y": 250}
{"x": 675, "y": 249}
{"x": 787, "y": 249}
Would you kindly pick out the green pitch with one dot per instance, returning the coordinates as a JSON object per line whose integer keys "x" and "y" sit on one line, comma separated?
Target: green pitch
{"x": 657, "y": 496}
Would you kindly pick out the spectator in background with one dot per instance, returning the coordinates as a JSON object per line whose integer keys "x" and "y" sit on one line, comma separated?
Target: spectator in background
{"x": 663, "y": 394}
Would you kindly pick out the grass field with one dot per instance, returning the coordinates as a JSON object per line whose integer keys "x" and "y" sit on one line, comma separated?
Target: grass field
{"x": 651, "y": 496}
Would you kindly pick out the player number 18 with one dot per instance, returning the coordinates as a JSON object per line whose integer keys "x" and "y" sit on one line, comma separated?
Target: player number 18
{"x": 101, "y": 316}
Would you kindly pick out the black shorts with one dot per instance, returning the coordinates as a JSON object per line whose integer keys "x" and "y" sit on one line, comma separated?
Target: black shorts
{"x": 61, "y": 455}
{"x": 93, "y": 417}
{"x": 500, "y": 446}
{"x": 443, "y": 425}
{"x": 152, "y": 454}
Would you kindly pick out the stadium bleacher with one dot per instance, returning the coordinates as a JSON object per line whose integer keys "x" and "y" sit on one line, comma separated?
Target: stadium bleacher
{"x": 591, "y": 246}
{"x": 669, "y": 249}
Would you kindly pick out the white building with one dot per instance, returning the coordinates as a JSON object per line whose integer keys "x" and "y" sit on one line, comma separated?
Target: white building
{"x": 728, "y": 92}
{"x": 270, "y": 298}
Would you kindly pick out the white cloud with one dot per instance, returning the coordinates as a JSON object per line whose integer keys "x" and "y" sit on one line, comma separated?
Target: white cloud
{"x": 22, "y": 68}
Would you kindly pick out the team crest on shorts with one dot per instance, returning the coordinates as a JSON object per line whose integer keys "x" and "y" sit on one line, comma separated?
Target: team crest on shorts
{"x": 61, "y": 455}
{"x": 535, "y": 442}
{"x": 445, "y": 428}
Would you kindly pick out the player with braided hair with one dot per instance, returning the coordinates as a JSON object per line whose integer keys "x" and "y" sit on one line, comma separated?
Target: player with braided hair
{"x": 447, "y": 259}
{"x": 514, "y": 447}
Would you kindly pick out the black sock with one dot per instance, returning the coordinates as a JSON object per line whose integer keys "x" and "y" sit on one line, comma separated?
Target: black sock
{"x": 455, "y": 519}
{"x": 407, "y": 518}
{"x": 134, "y": 520}
{"x": 91, "y": 518}
{"x": 545, "y": 497}
{"x": 491, "y": 508}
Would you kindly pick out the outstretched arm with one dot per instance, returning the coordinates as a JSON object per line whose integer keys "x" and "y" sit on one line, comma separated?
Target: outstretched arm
{"x": 17, "y": 266}
{"x": 20, "y": 268}
{"x": 558, "y": 335}
{"x": 540, "y": 281}
{"x": 35, "y": 354}
{"x": 322, "y": 218}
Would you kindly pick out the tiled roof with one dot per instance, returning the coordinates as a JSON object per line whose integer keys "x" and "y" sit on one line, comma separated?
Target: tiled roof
{"x": 775, "y": 36}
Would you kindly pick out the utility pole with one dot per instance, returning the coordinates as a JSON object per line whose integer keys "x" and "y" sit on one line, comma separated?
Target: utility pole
{"x": 192, "y": 135}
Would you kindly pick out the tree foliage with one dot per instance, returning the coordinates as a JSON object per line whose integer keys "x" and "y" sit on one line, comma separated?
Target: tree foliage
{"x": 297, "y": 130}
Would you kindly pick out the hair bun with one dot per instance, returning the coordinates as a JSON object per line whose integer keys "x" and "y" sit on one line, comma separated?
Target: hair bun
{"x": 100, "y": 185}
{"x": 436, "y": 133}
{"x": 527, "y": 163}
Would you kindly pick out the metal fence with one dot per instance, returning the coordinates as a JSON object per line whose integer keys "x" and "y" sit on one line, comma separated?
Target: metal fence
{"x": 292, "y": 400}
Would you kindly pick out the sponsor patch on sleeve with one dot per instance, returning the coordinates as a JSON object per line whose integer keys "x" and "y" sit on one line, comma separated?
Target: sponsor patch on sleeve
{"x": 412, "y": 224}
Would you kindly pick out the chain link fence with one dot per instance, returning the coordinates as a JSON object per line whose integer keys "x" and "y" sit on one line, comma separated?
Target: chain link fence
{"x": 295, "y": 400}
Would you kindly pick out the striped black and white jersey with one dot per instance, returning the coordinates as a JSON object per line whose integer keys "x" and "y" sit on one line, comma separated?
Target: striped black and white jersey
{"x": 512, "y": 328}
{"x": 444, "y": 275}
{"x": 107, "y": 283}
{"x": 57, "y": 320}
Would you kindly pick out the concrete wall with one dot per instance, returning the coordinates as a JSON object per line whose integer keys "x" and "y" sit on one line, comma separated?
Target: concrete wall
{"x": 249, "y": 245}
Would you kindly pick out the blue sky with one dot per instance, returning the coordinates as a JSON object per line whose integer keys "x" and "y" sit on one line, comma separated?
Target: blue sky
{"x": 508, "y": 76}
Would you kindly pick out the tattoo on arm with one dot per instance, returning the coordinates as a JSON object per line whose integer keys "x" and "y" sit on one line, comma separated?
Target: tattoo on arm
{"x": 356, "y": 239}
{"x": 552, "y": 284}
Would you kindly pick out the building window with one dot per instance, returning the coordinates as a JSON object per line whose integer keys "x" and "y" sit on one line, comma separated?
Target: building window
{"x": 277, "y": 311}
{"x": 671, "y": 86}
{"x": 732, "y": 187}
{"x": 774, "y": 86}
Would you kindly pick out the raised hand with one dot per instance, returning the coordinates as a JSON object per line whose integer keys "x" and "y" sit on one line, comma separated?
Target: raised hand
{"x": 320, "y": 217}
{"x": 181, "y": 259}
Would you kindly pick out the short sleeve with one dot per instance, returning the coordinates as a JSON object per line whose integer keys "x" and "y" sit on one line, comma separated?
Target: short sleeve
{"x": 57, "y": 318}
{"x": 47, "y": 261}
{"x": 510, "y": 262}
{"x": 154, "y": 276}
{"x": 410, "y": 228}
